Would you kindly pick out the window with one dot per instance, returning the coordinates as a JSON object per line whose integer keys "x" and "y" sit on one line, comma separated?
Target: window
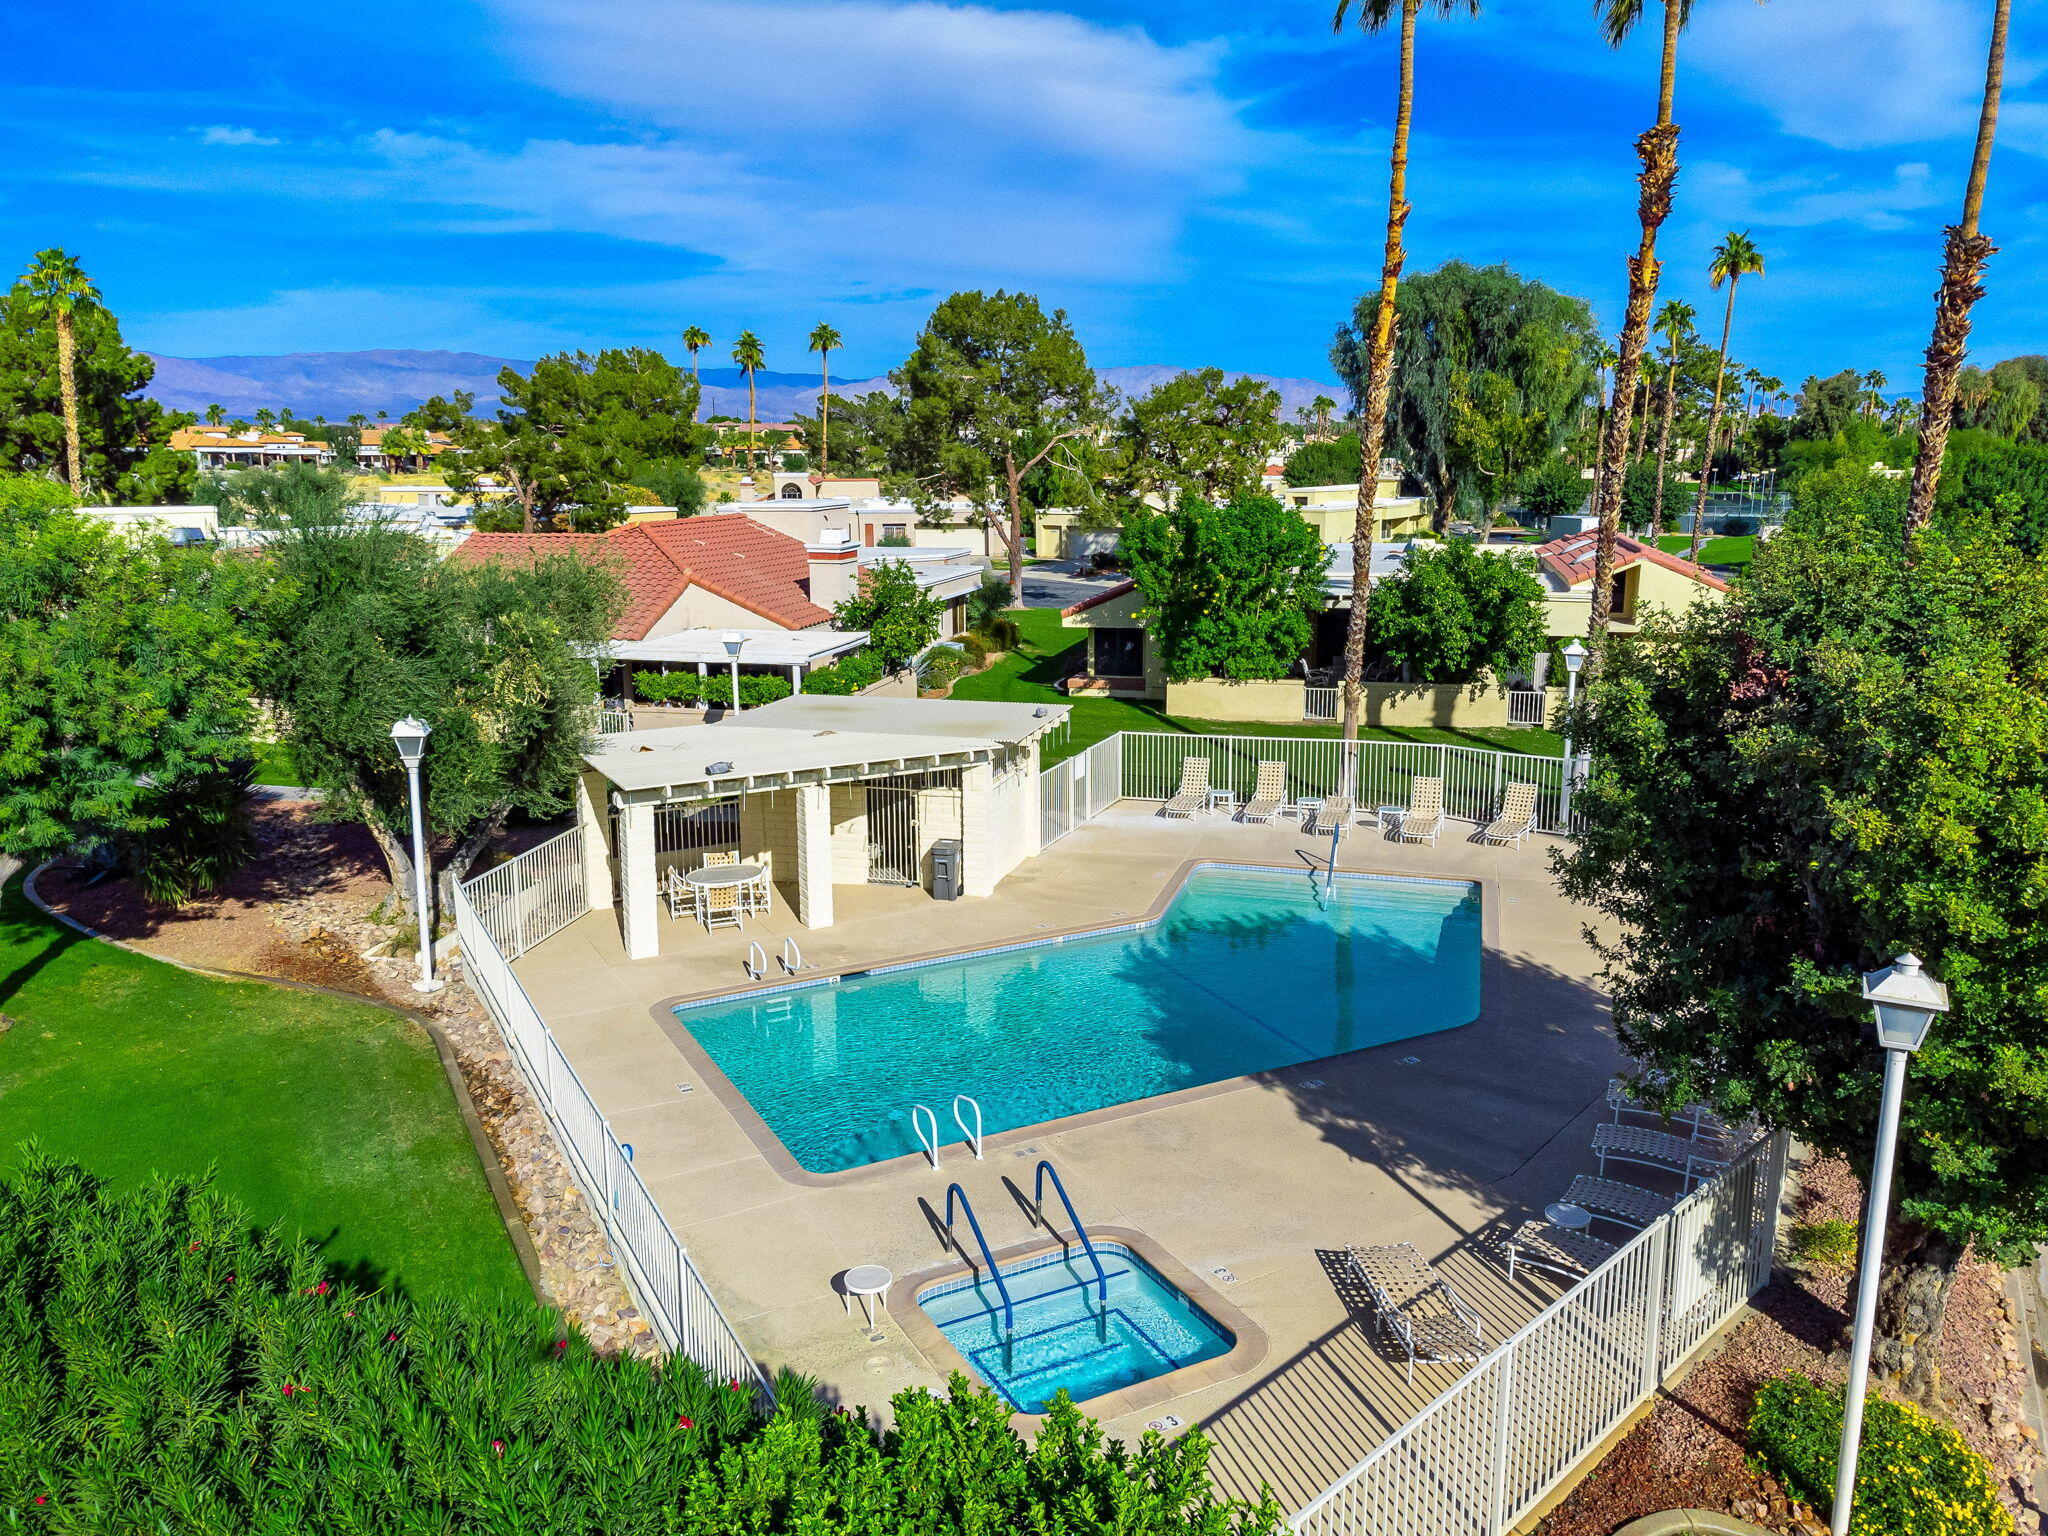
{"x": 792, "y": 492}
{"x": 1619, "y": 601}
{"x": 1119, "y": 652}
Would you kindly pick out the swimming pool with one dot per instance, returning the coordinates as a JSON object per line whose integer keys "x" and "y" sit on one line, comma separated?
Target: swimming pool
{"x": 1246, "y": 970}
{"x": 1064, "y": 1336}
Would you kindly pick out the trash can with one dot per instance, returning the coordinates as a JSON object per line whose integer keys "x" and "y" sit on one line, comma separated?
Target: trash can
{"x": 946, "y": 869}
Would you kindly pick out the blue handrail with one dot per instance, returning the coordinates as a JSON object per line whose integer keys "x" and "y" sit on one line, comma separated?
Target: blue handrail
{"x": 995, "y": 1274}
{"x": 1038, "y": 1199}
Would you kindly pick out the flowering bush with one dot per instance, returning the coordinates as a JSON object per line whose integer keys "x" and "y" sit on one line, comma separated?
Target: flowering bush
{"x": 849, "y": 674}
{"x": 1914, "y": 1475}
{"x": 166, "y": 1367}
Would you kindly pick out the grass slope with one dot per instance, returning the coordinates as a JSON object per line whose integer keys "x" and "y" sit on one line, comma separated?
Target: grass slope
{"x": 1030, "y": 673}
{"x": 332, "y": 1117}
{"x": 1736, "y": 551}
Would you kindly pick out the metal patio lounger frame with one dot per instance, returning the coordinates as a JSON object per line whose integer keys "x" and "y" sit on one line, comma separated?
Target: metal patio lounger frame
{"x": 1269, "y": 793}
{"x": 1193, "y": 794}
{"x": 1517, "y": 818}
{"x": 1423, "y": 821}
{"x": 1415, "y": 1307}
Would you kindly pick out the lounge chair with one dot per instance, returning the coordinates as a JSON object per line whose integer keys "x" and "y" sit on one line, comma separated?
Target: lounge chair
{"x": 1628, "y": 1204}
{"x": 1415, "y": 1307}
{"x": 1193, "y": 794}
{"x": 1517, "y": 818}
{"x": 1332, "y": 814}
{"x": 1696, "y": 1158}
{"x": 1269, "y": 793}
{"x": 1424, "y": 818}
{"x": 1543, "y": 1246}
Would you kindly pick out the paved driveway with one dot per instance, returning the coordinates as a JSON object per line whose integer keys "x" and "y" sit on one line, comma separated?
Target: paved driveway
{"x": 1060, "y": 584}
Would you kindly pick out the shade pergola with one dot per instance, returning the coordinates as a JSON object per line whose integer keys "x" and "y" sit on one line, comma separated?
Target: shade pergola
{"x": 784, "y": 760}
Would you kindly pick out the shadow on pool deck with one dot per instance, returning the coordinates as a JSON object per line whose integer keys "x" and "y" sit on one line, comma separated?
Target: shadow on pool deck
{"x": 1444, "y": 1140}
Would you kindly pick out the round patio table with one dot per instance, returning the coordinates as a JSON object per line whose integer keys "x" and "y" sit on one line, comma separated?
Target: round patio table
{"x": 865, "y": 1281}
{"x": 1573, "y": 1218}
{"x": 723, "y": 874}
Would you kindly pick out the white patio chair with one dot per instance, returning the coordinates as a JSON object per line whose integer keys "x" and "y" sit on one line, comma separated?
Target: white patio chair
{"x": 1694, "y": 1158}
{"x": 1415, "y": 1307}
{"x": 1630, "y": 1205}
{"x": 678, "y": 892}
{"x": 1517, "y": 818}
{"x": 1332, "y": 814}
{"x": 1269, "y": 793}
{"x": 1543, "y": 1246}
{"x": 1193, "y": 794}
{"x": 722, "y": 905}
{"x": 1424, "y": 818}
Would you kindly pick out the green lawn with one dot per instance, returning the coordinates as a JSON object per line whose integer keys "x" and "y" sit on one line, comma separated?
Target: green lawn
{"x": 274, "y": 764}
{"x": 1737, "y": 551}
{"x": 1029, "y": 674}
{"x": 330, "y": 1116}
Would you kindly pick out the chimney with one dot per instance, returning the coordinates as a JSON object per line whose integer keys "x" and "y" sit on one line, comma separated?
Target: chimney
{"x": 834, "y": 567}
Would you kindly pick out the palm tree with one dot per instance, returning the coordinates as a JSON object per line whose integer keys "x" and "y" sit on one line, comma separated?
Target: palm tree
{"x": 266, "y": 418}
{"x": 823, "y": 340}
{"x": 1674, "y": 324}
{"x": 1657, "y": 148}
{"x": 1319, "y": 410}
{"x": 1735, "y": 258}
{"x": 1373, "y": 16}
{"x": 1874, "y": 381}
{"x": 696, "y": 339}
{"x": 1961, "y": 273}
{"x": 747, "y": 353}
{"x": 215, "y": 415}
{"x": 57, "y": 285}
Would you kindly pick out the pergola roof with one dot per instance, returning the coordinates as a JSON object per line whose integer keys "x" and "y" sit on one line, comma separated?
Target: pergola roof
{"x": 813, "y": 738}
{"x": 765, "y": 647}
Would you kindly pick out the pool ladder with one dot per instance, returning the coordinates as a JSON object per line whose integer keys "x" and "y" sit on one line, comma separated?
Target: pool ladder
{"x": 955, "y": 1193}
{"x": 922, "y": 1116}
{"x": 1045, "y": 1168}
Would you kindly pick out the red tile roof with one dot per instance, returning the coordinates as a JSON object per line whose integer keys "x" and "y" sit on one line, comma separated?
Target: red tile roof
{"x": 1571, "y": 559}
{"x": 732, "y": 557}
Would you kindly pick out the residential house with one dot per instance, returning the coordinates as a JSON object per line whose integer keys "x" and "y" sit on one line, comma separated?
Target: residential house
{"x": 874, "y": 520}
{"x": 371, "y": 457}
{"x": 179, "y": 525}
{"x": 224, "y": 448}
{"x": 1645, "y": 578}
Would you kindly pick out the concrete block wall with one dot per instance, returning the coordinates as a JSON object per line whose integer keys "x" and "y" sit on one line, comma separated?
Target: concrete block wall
{"x": 768, "y": 832}
{"x": 849, "y": 834}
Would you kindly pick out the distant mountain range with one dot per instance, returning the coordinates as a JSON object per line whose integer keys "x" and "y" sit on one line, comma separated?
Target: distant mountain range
{"x": 392, "y": 381}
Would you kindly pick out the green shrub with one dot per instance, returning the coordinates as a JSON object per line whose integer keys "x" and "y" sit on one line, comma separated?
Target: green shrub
{"x": 940, "y": 668}
{"x": 1001, "y": 633}
{"x": 1824, "y": 1244}
{"x": 1914, "y": 1475}
{"x": 165, "y": 1367}
{"x": 714, "y": 689}
{"x": 974, "y": 648}
{"x": 849, "y": 674}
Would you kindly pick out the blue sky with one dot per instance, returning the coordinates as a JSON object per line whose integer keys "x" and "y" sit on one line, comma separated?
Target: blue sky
{"x": 1194, "y": 183}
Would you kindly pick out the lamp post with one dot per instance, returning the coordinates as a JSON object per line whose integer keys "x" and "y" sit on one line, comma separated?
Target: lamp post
{"x": 410, "y": 737}
{"x": 1905, "y": 1000}
{"x": 732, "y": 640}
{"x": 1574, "y": 658}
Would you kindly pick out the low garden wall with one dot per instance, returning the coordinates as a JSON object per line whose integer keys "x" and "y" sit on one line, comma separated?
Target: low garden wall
{"x": 1388, "y": 704}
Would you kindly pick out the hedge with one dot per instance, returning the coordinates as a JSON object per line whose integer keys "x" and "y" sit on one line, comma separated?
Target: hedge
{"x": 165, "y": 1367}
{"x": 849, "y": 674}
{"x": 756, "y": 688}
{"x": 1914, "y": 1475}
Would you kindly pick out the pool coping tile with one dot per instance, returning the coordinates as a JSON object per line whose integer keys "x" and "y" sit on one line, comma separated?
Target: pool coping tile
{"x": 1244, "y": 1355}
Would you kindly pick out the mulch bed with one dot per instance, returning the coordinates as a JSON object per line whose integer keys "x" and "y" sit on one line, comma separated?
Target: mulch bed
{"x": 1691, "y": 1451}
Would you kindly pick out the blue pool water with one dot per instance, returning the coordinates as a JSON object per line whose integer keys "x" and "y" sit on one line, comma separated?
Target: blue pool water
{"x": 1064, "y": 1336}
{"x": 1244, "y": 972}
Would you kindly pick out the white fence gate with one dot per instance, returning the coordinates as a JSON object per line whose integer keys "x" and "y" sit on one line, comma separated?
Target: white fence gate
{"x": 1079, "y": 789}
{"x": 1528, "y": 706}
{"x": 1477, "y": 1460}
{"x": 535, "y": 895}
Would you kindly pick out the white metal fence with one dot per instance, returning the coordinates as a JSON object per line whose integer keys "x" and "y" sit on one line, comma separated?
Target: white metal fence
{"x": 527, "y": 898}
{"x": 1477, "y": 1460}
{"x": 612, "y": 718}
{"x": 1528, "y": 706}
{"x": 666, "y": 1284}
{"x": 1474, "y": 777}
{"x": 1320, "y": 703}
{"x": 1079, "y": 789}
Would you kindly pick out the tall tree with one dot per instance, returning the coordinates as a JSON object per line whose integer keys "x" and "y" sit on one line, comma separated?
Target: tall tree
{"x": 823, "y": 340}
{"x": 58, "y": 284}
{"x": 1194, "y": 436}
{"x": 1735, "y": 258}
{"x": 748, "y": 353}
{"x": 1373, "y": 16}
{"x": 695, "y": 340}
{"x": 1657, "y": 148}
{"x": 1319, "y": 411}
{"x": 993, "y": 388}
{"x": 215, "y": 415}
{"x": 1874, "y": 382}
{"x": 1674, "y": 324}
{"x": 1962, "y": 273}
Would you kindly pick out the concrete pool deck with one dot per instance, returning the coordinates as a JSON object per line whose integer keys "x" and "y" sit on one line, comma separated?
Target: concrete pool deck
{"x": 1441, "y": 1140}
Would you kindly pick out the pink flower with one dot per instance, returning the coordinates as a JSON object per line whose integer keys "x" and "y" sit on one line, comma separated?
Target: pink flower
{"x": 40, "y": 1499}
{"x": 194, "y": 1248}
{"x": 289, "y": 1389}
{"x": 320, "y": 1289}
{"x": 348, "y": 1314}
{"x": 391, "y": 1337}
{"x": 498, "y": 1446}
{"x": 734, "y": 1385}
{"x": 684, "y": 1421}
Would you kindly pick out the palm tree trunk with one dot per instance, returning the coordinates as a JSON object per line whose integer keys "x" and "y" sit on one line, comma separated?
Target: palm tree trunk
{"x": 1962, "y": 273}
{"x": 67, "y": 385}
{"x": 1379, "y": 378}
{"x": 825, "y": 411}
{"x": 1658, "y": 150}
{"x": 696, "y": 410}
{"x": 753, "y": 437}
{"x": 1699, "y": 505}
{"x": 1664, "y": 442}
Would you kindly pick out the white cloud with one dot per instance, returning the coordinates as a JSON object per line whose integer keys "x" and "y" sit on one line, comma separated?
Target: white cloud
{"x": 1739, "y": 197}
{"x": 1855, "y": 75}
{"x": 221, "y": 133}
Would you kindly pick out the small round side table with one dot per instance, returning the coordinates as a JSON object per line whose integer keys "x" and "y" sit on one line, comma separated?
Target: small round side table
{"x": 1573, "y": 1218}
{"x": 865, "y": 1281}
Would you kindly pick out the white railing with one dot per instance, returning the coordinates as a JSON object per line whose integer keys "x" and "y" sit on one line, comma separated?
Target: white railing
{"x": 1319, "y": 703}
{"x": 1079, "y": 789}
{"x": 671, "y": 1293}
{"x": 611, "y": 720}
{"x": 1528, "y": 706}
{"x": 1477, "y": 1460}
{"x": 533, "y": 896}
{"x": 1474, "y": 777}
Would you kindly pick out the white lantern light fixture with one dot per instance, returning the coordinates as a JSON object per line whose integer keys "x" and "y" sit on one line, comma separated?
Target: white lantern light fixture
{"x": 1905, "y": 999}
